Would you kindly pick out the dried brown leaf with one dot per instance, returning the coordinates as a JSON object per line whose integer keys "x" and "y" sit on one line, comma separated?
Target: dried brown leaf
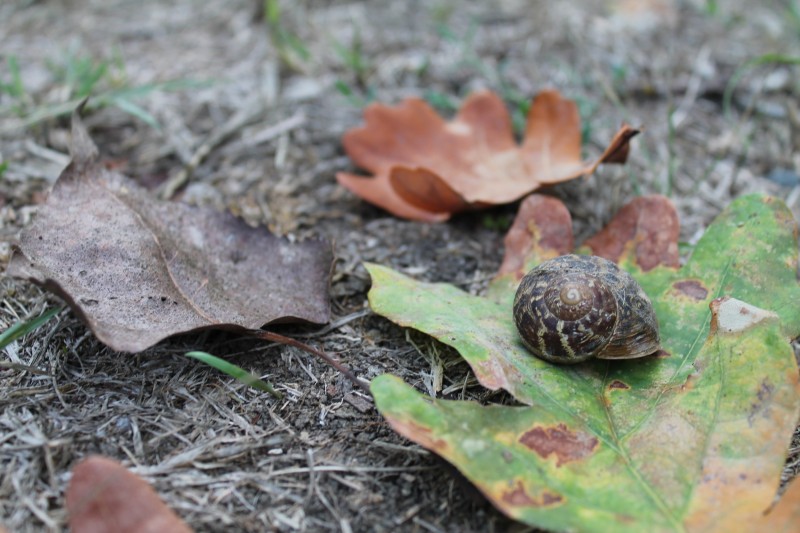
{"x": 541, "y": 221}
{"x": 104, "y": 496}
{"x": 138, "y": 270}
{"x": 427, "y": 169}
{"x": 646, "y": 230}
{"x": 648, "y": 226}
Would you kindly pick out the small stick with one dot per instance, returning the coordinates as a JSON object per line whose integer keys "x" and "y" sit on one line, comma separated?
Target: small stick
{"x": 339, "y": 323}
{"x": 218, "y": 136}
{"x": 288, "y": 341}
{"x": 285, "y": 126}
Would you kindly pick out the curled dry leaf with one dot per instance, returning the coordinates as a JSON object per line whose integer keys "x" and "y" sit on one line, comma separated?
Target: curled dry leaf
{"x": 138, "y": 270}
{"x": 103, "y": 496}
{"x": 693, "y": 438}
{"x": 427, "y": 169}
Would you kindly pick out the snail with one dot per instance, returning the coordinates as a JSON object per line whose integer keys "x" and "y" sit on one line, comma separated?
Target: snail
{"x": 574, "y": 307}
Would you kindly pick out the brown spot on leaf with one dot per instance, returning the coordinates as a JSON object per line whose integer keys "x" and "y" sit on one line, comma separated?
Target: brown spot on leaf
{"x": 419, "y": 434}
{"x": 690, "y": 381}
{"x": 520, "y": 497}
{"x": 625, "y": 519}
{"x": 549, "y": 498}
{"x": 617, "y": 384}
{"x": 560, "y": 441}
{"x": 764, "y": 398}
{"x": 691, "y": 288}
{"x": 649, "y": 226}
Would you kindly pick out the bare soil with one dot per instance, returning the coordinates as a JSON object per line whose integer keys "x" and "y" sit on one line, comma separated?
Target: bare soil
{"x": 226, "y": 457}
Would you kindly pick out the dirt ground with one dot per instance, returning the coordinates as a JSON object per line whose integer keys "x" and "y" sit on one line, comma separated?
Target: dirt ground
{"x": 271, "y": 109}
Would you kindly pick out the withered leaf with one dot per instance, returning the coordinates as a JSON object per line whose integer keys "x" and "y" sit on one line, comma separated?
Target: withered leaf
{"x": 104, "y": 496}
{"x": 138, "y": 270}
{"x": 427, "y": 169}
{"x": 646, "y": 228}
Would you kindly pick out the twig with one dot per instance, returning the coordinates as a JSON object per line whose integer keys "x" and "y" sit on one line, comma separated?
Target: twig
{"x": 23, "y": 368}
{"x": 47, "y": 154}
{"x": 269, "y": 133}
{"x": 692, "y": 89}
{"x": 288, "y": 341}
{"x": 218, "y": 136}
{"x": 336, "y": 324}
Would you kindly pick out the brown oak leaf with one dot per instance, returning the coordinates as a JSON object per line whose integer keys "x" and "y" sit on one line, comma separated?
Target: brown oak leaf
{"x": 138, "y": 270}
{"x": 425, "y": 168}
{"x": 104, "y": 496}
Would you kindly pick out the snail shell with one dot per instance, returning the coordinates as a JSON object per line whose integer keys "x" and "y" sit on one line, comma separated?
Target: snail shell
{"x": 575, "y": 307}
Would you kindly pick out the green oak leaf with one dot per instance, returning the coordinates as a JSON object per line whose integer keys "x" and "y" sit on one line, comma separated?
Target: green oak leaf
{"x": 691, "y": 439}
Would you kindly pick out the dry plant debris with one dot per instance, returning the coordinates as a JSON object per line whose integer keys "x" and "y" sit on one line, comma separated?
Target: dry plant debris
{"x": 692, "y": 438}
{"x": 427, "y": 169}
{"x": 103, "y": 497}
{"x": 138, "y": 270}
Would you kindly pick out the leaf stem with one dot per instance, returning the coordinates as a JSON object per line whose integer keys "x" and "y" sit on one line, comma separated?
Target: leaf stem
{"x": 288, "y": 341}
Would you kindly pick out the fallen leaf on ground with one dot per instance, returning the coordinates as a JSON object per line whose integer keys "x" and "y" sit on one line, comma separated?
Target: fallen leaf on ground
{"x": 427, "y": 169}
{"x": 103, "y": 496}
{"x": 693, "y": 438}
{"x": 138, "y": 270}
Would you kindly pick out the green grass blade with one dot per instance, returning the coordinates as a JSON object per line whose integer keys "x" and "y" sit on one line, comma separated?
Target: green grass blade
{"x": 111, "y": 97}
{"x": 766, "y": 59}
{"x": 272, "y": 12}
{"x": 234, "y": 371}
{"x": 136, "y": 111}
{"x": 47, "y": 112}
{"x": 21, "y": 329}
{"x": 16, "y": 87}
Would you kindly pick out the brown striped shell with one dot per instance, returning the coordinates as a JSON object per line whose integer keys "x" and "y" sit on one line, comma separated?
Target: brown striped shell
{"x": 575, "y": 307}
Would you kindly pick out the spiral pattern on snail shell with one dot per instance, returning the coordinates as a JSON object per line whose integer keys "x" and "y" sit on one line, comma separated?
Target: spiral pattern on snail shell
{"x": 572, "y": 308}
